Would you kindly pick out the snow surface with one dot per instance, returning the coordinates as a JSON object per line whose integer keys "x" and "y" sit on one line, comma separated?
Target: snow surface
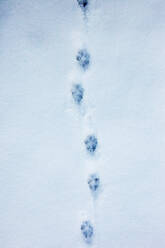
{"x": 44, "y": 167}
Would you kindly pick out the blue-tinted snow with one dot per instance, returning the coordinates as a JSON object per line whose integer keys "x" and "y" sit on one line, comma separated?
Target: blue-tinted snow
{"x": 42, "y": 172}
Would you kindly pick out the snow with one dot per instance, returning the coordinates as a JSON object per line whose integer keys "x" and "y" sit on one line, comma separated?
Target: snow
{"x": 44, "y": 163}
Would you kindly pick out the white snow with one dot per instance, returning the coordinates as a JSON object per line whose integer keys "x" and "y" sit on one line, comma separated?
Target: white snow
{"x": 44, "y": 167}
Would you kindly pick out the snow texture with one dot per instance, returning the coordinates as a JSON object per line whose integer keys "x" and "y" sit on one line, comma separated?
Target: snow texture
{"x": 44, "y": 165}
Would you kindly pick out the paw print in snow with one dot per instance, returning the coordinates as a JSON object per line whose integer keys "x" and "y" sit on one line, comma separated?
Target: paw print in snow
{"x": 93, "y": 182}
{"x": 83, "y": 4}
{"x": 83, "y": 59}
{"x": 91, "y": 144}
{"x": 77, "y": 93}
{"x": 87, "y": 231}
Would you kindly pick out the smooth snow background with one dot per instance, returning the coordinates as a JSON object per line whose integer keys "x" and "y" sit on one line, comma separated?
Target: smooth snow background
{"x": 43, "y": 163}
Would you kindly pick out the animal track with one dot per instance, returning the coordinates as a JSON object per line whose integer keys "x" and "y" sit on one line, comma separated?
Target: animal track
{"x": 83, "y": 58}
{"x": 94, "y": 182}
{"x": 77, "y": 93}
{"x": 91, "y": 144}
{"x": 83, "y": 4}
{"x": 87, "y": 231}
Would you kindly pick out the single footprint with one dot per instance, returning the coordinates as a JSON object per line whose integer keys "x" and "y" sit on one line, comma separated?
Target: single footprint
{"x": 83, "y": 59}
{"x": 83, "y": 4}
{"x": 87, "y": 231}
{"x": 94, "y": 182}
{"x": 91, "y": 144}
{"x": 77, "y": 93}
